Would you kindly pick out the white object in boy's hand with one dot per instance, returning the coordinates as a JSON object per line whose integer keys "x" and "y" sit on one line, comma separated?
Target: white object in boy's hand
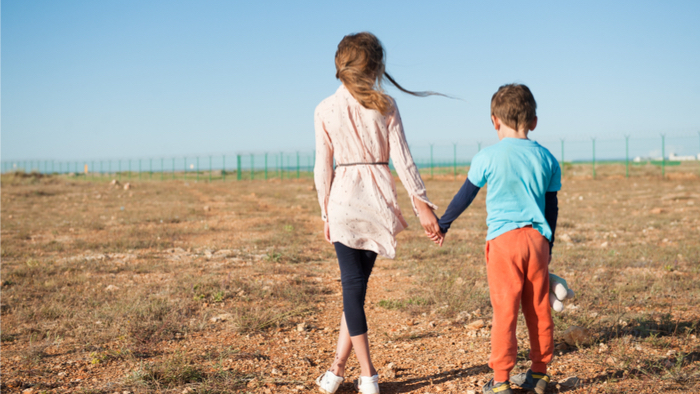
{"x": 558, "y": 292}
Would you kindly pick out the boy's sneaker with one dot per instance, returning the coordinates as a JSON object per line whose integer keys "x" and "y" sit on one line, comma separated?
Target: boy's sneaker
{"x": 497, "y": 388}
{"x": 533, "y": 381}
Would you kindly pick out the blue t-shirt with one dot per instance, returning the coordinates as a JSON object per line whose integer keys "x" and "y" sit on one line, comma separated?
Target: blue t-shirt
{"x": 519, "y": 172}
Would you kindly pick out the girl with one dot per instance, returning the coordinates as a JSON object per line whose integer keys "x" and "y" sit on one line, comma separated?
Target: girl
{"x": 361, "y": 128}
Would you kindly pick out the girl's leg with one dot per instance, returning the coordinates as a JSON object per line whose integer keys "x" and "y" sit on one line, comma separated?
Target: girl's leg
{"x": 361, "y": 345}
{"x": 355, "y": 269}
{"x": 343, "y": 350}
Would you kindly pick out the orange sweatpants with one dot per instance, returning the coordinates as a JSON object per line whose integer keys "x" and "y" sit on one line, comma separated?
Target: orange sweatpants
{"x": 518, "y": 273}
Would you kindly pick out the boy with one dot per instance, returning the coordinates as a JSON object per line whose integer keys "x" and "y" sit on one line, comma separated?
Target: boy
{"x": 521, "y": 203}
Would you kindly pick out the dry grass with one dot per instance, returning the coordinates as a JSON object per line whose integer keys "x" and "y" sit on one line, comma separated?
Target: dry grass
{"x": 173, "y": 285}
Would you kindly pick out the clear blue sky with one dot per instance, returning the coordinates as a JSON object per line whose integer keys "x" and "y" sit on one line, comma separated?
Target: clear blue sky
{"x": 113, "y": 79}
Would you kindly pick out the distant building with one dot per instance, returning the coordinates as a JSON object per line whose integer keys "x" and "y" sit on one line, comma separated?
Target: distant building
{"x": 674, "y": 157}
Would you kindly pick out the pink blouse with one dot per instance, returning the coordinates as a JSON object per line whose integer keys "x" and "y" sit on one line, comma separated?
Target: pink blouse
{"x": 359, "y": 201}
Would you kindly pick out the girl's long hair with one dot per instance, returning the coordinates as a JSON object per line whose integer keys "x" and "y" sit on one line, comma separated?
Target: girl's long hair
{"x": 360, "y": 65}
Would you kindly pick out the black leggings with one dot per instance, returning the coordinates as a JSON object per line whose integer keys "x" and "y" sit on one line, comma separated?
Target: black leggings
{"x": 355, "y": 269}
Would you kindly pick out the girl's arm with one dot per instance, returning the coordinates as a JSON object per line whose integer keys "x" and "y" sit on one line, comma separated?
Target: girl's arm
{"x": 323, "y": 168}
{"x": 407, "y": 170}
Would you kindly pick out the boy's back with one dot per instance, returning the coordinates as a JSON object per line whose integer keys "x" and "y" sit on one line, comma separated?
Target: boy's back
{"x": 523, "y": 178}
{"x": 518, "y": 172}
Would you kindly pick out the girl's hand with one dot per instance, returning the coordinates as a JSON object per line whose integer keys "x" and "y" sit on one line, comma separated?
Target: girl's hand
{"x": 327, "y": 232}
{"x": 427, "y": 217}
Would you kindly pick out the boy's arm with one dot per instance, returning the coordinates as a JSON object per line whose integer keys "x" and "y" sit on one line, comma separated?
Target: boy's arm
{"x": 551, "y": 212}
{"x": 459, "y": 203}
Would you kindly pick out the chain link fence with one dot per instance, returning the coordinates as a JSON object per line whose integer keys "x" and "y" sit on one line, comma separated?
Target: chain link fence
{"x": 627, "y": 156}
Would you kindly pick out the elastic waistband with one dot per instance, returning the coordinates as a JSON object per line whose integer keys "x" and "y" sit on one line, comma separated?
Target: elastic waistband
{"x": 363, "y": 164}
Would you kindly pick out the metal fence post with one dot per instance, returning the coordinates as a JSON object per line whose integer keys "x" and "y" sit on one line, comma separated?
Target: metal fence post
{"x": 210, "y": 169}
{"x": 238, "y": 172}
{"x": 252, "y": 166}
{"x": 119, "y": 176}
{"x": 150, "y": 168}
{"x": 431, "y": 160}
{"x": 297, "y": 165}
{"x": 162, "y": 168}
{"x": 223, "y": 168}
{"x": 454, "y": 159}
{"x": 265, "y": 165}
{"x": 663, "y": 156}
{"x": 593, "y": 139}
{"x": 627, "y": 156}
{"x": 184, "y": 172}
{"x": 173, "y": 168}
{"x": 139, "y": 169}
{"x": 562, "y": 156}
{"x": 196, "y": 178}
{"x": 282, "y": 165}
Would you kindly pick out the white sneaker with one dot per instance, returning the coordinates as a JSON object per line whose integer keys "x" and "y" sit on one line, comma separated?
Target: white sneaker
{"x": 368, "y": 385}
{"x": 328, "y": 383}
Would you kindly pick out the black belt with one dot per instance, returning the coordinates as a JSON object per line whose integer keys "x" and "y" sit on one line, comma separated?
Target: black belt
{"x": 363, "y": 164}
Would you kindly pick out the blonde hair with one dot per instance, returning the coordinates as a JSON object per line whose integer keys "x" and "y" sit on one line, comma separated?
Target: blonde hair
{"x": 360, "y": 65}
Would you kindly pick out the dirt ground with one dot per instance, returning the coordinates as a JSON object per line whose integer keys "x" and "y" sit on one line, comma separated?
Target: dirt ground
{"x": 184, "y": 287}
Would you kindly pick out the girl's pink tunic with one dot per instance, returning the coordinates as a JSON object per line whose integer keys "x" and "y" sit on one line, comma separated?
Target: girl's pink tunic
{"x": 359, "y": 201}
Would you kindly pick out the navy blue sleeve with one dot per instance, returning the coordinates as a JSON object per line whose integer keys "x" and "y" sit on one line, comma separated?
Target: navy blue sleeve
{"x": 551, "y": 212}
{"x": 459, "y": 203}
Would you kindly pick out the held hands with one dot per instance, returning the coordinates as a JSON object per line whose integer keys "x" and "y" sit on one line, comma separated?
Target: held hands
{"x": 429, "y": 222}
{"x": 438, "y": 237}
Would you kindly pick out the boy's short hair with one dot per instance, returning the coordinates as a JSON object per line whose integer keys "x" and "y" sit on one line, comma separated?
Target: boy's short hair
{"x": 514, "y": 105}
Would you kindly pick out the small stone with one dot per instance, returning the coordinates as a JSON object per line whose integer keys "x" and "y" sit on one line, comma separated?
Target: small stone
{"x": 463, "y": 316}
{"x": 604, "y": 244}
{"x": 127, "y": 186}
{"x": 476, "y": 325}
{"x": 111, "y": 288}
{"x": 432, "y": 324}
{"x": 602, "y": 348}
{"x": 570, "y": 382}
{"x": 275, "y": 371}
{"x": 301, "y": 327}
{"x": 575, "y": 335}
{"x": 459, "y": 281}
{"x": 471, "y": 391}
{"x": 565, "y": 238}
{"x": 656, "y": 211}
{"x": 188, "y": 390}
{"x": 206, "y": 208}
{"x": 220, "y": 318}
{"x": 610, "y": 361}
{"x": 389, "y": 371}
